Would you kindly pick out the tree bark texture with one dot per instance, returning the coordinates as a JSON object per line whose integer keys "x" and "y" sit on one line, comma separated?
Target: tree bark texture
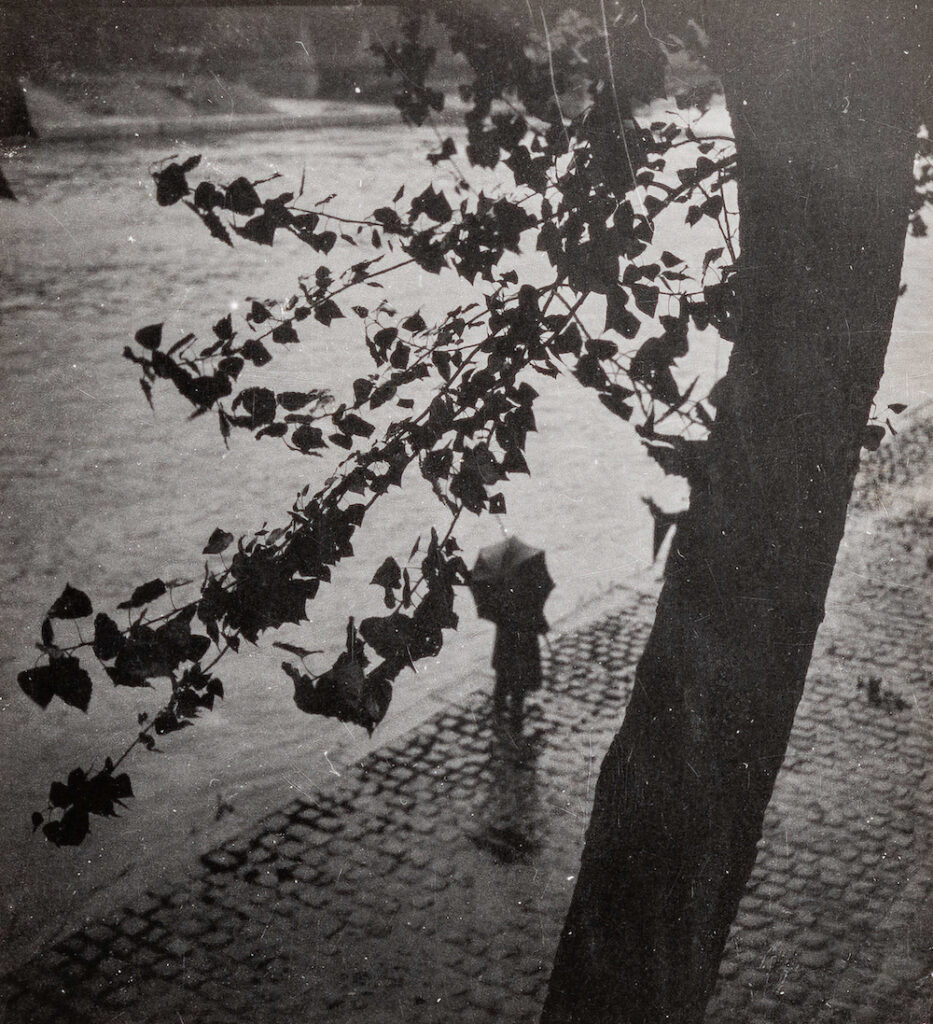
{"x": 825, "y": 143}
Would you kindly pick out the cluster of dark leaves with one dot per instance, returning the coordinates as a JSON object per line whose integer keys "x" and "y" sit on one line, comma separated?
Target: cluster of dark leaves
{"x": 470, "y": 434}
{"x": 238, "y": 199}
{"x": 208, "y": 377}
{"x": 80, "y": 796}
{"x": 412, "y": 631}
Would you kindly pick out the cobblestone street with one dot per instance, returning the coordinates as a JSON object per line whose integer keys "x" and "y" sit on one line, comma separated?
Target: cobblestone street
{"x": 430, "y": 881}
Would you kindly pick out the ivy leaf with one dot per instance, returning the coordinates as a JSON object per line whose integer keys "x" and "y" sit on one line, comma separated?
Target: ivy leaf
{"x": 414, "y": 323}
{"x": 259, "y": 405}
{"x": 258, "y": 312}
{"x": 219, "y": 541}
{"x": 614, "y": 401}
{"x": 433, "y": 204}
{"x": 167, "y": 721}
{"x": 108, "y": 640}
{"x": 324, "y": 241}
{"x": 711, "y": 255}
{"x": 618, "y": 318}
{"x": 70, "y": 830}
{"x": 712, "y": 207}
{"x": 355, "y": 425}
{"x": 344, "y": 692}
{"x": 171, "y": 184}
{"x": 389, "y": 219}
{"x": 71, "y": 604}
{"x": 256, "y": 352}
{"x": 144, "y": 594}
{"x": 646, "y": 298}
{"x": 273, "y": 430}
{"x": 63, "y": 677}
{"x": 260, "y": 230}
{"x": 388, "y": 575}
{"x": 590, "y": 373}
{"x": 37, "y": 684}
{"x": 285, "y": 334}
{"x": 207, "y": 196}
{"x": 306, "y": 438}
{"x": 232, "y": 366}
{"x": 149, "y": 337}
{"x": 223, "y": 329}
{"x": 242, "y": 197}
{"x": 327, "y": 312}
{"x": 292, "y": 401}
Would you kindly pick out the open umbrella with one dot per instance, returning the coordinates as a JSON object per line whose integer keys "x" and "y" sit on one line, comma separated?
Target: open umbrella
{"x": 510, "y": 584}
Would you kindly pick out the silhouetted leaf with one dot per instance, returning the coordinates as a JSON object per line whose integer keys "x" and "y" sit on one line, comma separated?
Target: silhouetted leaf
{"x": 219, "y": 541}
{"x": 327, "y": 311}
{"x": 149, "y": 337}
{"x": 258, "y": 404}
{"x": 260, "y": 230}
{"x": 301, "y": 652}
{"x": 646, "y": 298}
{"x": 618, "y": 318}
{"x": 207, "y": 196}
{"x": 242, "y": 197}
{"x": 355, "y": 425}
{"x": 37, "y": 684}
{"x": 108, "y": 640}
{"x": 433, "y": 204}
{"x": 70, "y": 830}
{"x": 171, "y": 185}
{"x": 71, "y": 604}
{"x": 63, "y": 677}
{"x": 306, "y": 438}
{"x": 414, "y": 323}
{"x": 256, "y": 352}
{"x": 223, "y": 329}
{"x": 144, "y": 594}
{"x": 389, "y": 574}
{"x": 285, "y": 334}
{"x": 232, "y": 366}
{"x": 711, "y": 255}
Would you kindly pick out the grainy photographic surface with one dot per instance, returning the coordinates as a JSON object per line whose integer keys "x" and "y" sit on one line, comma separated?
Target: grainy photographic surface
{"x": 372, "y": 448}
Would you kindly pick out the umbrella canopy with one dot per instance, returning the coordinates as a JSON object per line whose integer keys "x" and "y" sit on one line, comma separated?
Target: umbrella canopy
{"x": 510, "y": 584}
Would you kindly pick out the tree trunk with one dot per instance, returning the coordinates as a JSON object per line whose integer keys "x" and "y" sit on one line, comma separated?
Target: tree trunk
{"x": 825, "y": 152}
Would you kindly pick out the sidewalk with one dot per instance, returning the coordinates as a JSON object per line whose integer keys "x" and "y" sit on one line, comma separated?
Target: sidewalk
{"x": 429, "y": 883}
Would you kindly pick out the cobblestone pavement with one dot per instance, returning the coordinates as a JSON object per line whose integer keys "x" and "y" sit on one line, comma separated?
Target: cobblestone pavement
{"x": 430, "y": 882}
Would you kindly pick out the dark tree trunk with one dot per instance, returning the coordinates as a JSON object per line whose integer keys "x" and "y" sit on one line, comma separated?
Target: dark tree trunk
{"x": 825, "y": 154}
